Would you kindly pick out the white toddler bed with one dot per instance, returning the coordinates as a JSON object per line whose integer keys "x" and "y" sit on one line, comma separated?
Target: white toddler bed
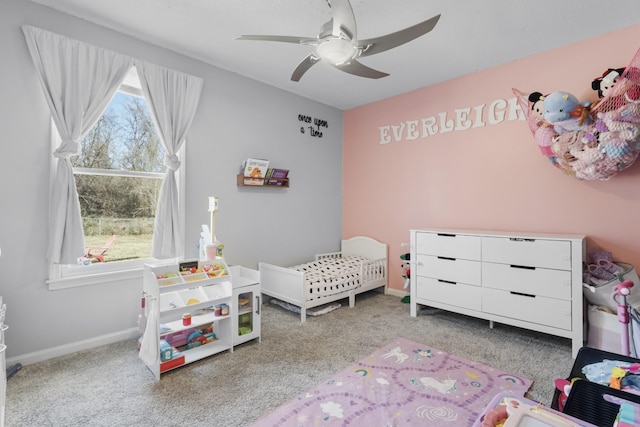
{"x": 360, "y": 266}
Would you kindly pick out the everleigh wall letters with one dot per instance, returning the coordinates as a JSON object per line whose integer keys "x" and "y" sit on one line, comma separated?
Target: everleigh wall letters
{"x": 461, "y": 119}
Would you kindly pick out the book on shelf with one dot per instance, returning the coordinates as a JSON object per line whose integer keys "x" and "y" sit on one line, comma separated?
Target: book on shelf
{"x": 255, "y": 168}
{"x": 254, "y": 171}
{"x": 280, "y": 174}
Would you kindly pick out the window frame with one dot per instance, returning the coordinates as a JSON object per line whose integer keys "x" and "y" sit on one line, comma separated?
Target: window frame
{"x": 63, "y": 276}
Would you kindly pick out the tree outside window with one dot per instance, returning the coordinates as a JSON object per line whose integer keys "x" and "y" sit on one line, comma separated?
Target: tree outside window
{"x": 118, "y": 175}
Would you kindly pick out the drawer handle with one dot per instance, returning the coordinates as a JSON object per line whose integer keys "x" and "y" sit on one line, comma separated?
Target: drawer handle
{"x": 521, "y": 294}
{"x": 446, "y": 258}
{"x": 519, "y": 239}
{"x": 447, "y": 281}
{"x": 525, "y": 267}
{"x": 446, "y": 235}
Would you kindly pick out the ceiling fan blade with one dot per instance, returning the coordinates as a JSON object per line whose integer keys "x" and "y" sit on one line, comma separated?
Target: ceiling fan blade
{"x": 358, "y": 69}
{"x": 344, "y": 21}
{"x": 285, "y": 39}
{"x": 389, "y": 41}
{"x": 303, "y": 67}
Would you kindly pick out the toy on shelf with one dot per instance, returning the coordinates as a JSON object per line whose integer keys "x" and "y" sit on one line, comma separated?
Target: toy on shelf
{"x": 201, "y": 337}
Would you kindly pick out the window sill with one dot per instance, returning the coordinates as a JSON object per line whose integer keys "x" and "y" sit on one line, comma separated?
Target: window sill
{"x": 95, "y": 279}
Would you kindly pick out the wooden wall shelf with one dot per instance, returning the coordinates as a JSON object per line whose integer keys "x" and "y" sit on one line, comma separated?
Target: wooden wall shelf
{"x": 244, "y": 181}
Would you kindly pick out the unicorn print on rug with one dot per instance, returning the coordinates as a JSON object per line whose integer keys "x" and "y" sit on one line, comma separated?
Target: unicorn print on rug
{"x": 444, "y": 386}
{"x": 397, "y": 353}
{"x": 403, "y": 383}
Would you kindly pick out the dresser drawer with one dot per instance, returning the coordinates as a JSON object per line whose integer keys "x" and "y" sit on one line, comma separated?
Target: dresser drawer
{"x": 527, "y": 252}
{"x": 541, "y": 310}
{"x": 529, "y": 280}
{"x": 448, "y": 245}
{"x": 451, "y": 293}
{"x": 452, "y": 269}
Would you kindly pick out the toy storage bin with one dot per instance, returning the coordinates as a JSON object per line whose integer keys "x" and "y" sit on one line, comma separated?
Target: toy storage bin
{"x": 166, "y": 275}
{"x": 587, "y": 356}
{"x": 170, "y": 300}
{"x": 217, "y": 291}
{"x": 594, "y": 403}
{"x": 601, "y": 295}
{"x": 193, "y": 296}
{"x": 585, "y": 400}
{"x": 605, "y": 330}
{"x": 178, "y": 339}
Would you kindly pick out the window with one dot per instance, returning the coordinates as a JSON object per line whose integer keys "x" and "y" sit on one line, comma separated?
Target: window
{"x": 118, "y": 173}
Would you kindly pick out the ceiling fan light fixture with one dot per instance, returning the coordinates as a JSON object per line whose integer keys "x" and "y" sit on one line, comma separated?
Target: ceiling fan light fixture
{"x": 336, "y": 51}
{"x": 338, "y": 45}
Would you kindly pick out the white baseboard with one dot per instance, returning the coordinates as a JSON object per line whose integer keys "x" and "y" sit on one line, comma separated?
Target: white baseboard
{"x": 50, "y": 353}
{"x": 397, "y": 292}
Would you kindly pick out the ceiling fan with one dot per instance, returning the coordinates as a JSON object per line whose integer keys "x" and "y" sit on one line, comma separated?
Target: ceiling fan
{"x": 337, "y": 43}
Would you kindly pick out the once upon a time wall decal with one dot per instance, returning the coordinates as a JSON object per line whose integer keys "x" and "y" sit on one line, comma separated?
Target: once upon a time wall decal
{"x": 312, "y": 125}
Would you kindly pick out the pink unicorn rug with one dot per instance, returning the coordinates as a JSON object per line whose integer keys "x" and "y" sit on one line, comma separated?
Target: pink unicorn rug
{"x": 402, "y": 384}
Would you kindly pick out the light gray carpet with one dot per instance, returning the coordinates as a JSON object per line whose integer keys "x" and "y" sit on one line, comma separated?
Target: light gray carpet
{"x": 110, "y": 386}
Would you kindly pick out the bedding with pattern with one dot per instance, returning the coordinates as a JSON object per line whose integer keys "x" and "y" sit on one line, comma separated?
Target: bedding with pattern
{"x": 331, "y": 275}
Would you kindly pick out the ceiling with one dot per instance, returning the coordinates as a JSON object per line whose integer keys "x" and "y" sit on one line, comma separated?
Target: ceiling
{"x": 471, "y": 35}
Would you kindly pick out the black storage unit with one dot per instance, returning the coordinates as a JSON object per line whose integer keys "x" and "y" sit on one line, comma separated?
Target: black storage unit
{"x": 595, "y": 403}
{"x": 589, "y": 401}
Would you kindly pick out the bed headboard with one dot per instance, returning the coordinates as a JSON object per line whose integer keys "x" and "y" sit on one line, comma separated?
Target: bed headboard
{"x": 364, "y": 246}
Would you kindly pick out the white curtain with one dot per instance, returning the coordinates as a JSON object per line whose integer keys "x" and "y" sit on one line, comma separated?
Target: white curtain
{"x": 172, "y": 98}
{"x": 79, "y": 81}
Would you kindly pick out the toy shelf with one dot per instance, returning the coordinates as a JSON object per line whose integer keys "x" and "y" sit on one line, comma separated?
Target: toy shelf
{"x": 176, "y": 291}
{"x": 198, "y": 353}
{"x": 177, "y": 325}
{"x": 243, "y": 181}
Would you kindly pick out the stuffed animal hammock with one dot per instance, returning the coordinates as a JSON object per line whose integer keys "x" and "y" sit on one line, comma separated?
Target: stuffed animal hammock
{"x": 589, "y": 141}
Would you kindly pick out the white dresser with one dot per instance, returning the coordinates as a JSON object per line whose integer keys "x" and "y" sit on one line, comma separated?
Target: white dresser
{"x": 528, "y": 280}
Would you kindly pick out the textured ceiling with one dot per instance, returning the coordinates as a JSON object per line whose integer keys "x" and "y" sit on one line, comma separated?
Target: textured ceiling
{"x": 471, "y": 35}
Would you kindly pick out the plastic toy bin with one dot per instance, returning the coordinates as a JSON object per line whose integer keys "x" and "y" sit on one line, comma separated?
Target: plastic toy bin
{"x": 193, "y": 296}
{"x": 170, "y": 300}
{"x": 601, "y": 295}
{"x": 589, "y": 401}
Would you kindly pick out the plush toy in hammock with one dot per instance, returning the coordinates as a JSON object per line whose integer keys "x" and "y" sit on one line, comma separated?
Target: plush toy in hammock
{"x": 590, "y": 141}
{"x": 604, "y": 84}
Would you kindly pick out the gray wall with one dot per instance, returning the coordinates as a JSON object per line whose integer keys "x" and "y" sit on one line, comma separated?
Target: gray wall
{"x": 237, "y": 118}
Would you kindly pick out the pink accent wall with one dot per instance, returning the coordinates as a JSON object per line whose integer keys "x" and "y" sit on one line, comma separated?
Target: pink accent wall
{"x": 492, "y": 177}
